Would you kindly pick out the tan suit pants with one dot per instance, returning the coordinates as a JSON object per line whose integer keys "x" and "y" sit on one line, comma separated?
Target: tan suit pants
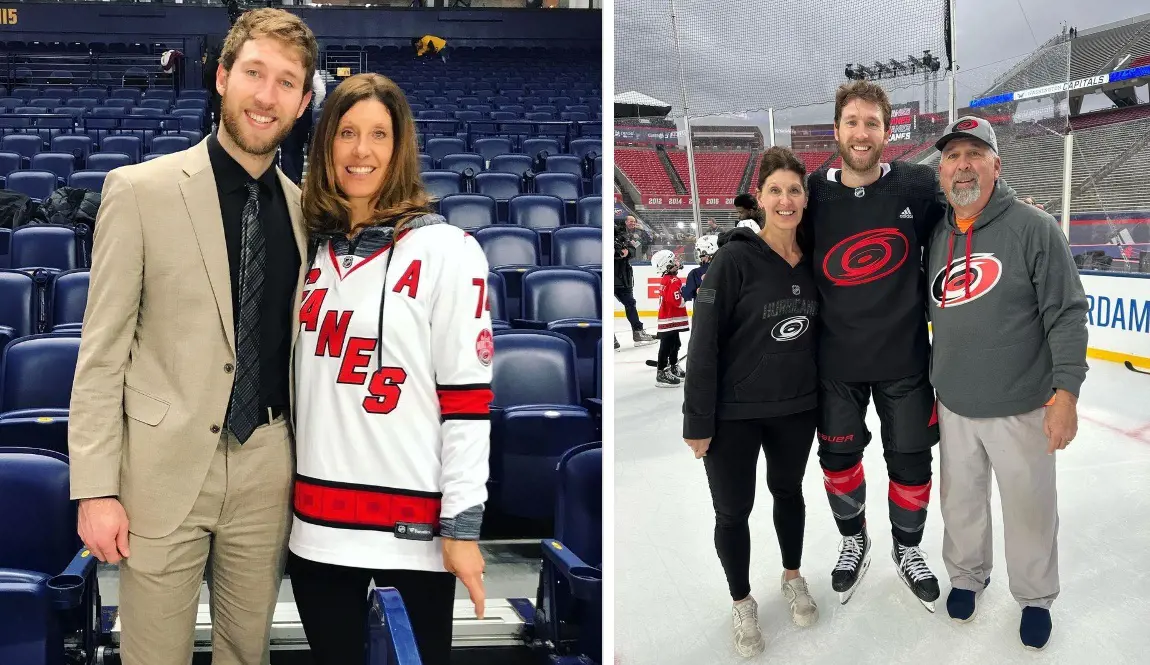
{"x": 239, "y": 525}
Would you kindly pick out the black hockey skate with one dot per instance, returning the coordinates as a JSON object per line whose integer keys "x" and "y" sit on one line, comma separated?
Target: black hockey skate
{"x": 914, "y": 573}
{"x": 854, "y": 560}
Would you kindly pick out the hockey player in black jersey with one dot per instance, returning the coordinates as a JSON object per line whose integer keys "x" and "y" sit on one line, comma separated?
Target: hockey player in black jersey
{"x": 870, "y": 222}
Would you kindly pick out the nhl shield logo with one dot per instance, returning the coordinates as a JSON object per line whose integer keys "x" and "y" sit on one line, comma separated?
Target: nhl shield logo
{"x": 485, "y": 347}
{"x": 347, "y": 261}
{"x": 795, "y": 289}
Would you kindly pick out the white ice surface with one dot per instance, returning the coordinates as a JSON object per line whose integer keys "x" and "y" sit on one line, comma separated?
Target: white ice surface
{"x": 671, "y": 601}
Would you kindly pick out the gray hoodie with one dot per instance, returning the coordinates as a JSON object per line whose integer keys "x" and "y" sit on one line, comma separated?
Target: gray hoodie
{"x": 1011, "y": 327}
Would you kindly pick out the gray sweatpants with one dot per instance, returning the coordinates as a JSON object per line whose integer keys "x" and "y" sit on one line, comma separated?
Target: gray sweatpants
{"x": 1015, "y": 448}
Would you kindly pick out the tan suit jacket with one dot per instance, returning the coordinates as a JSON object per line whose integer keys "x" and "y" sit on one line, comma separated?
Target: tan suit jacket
{"x": 157, "y": 350}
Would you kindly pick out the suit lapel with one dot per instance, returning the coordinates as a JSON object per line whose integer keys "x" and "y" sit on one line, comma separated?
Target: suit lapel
{"x": 295, "y": 212}
{"x": 203, "y": 205}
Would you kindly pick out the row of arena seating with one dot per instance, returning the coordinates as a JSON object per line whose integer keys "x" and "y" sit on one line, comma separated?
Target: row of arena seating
{"x": 549, "y": 461}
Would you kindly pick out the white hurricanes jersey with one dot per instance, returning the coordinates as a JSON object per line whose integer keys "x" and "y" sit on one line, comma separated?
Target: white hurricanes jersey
{"x": 390, "y": 441}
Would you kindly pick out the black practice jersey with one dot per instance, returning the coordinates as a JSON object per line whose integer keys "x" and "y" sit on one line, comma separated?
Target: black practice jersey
{"x": 868, "y": 244}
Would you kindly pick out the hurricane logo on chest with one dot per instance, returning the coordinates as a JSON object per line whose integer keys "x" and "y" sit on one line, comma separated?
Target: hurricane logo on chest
{"x": 966, "y": 282}
{"x": 789, "y": 329}
{"x": 866, "y": 257}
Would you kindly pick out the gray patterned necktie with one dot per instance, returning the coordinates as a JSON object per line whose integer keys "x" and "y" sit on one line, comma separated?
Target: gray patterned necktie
{"x": 244, "y": 410}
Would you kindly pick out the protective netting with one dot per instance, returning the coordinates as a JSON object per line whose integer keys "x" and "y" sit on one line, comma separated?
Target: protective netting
{"x": 745, "y": 56}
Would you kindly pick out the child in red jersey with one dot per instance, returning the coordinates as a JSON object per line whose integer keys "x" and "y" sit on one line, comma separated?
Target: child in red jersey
{"x": 672, "y": 319}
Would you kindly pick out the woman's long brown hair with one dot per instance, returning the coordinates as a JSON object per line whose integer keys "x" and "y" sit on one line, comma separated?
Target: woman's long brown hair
{"x": 402, "y": 198}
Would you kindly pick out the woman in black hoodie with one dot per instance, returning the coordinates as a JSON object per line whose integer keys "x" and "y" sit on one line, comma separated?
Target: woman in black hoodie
{"x": 753, "y": 385}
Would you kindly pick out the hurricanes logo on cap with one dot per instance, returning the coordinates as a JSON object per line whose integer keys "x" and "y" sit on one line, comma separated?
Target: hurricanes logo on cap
{"x": 866, "y": 257}
{"x": 966, "y": 124}
{"x": 983, "y": 274}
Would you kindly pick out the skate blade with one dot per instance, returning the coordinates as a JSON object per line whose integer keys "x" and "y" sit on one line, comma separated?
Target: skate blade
{"x": 928, "y": 604}
{"x": 845, "y": 596}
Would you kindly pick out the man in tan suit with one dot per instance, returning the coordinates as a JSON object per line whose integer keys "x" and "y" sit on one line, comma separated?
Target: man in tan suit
{"x": 180, "y": 426}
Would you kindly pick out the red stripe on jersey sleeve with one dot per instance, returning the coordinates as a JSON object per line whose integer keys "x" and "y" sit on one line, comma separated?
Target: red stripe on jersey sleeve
{"x": 465, "y": 402}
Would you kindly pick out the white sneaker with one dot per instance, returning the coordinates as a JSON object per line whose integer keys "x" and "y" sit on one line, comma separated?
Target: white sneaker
{"x": 804, "y": 611}
{"x": 745, "y": 626}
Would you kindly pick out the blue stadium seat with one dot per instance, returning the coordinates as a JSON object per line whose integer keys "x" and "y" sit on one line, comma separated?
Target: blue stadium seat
{"x": 460, "y": 162}
{"x": 69, "y": 299}
{"x": 517, "y": 164}
{"x": 536, "y": 211}
{"x": 589, "y": 211}
{"x": 60, "y": 163}
{"x": 468, "y": 211}
{"x": 93, "y": 180}
{"x": 19, "y": 297}
{"x": 52, "y": 247}
{"x": 565, "y": 301}
{"x": 390, "y": 640}
{"x": 5, "y": 247}
{"x": 536, "y": 417}
{"x": 440, "y": 184}
{"x": 37, "y": 185}
{"x": 564, "y": 164}
{"x": 48, "y": 586}
{"x": 500, "y": 186}
{"x": 425, "y": 162}
{"x": 439, "y": 147}
{"x": 9, "y": 162}
{"x": 577, "y": 246}
{"x": 583, "y": 147}
{"x": 511, "y": 252}
{"x": 497, "y": 301}
{"x": 106, "y": 161}
{"x": 167, "y": 144}
{"x": 23, "y": 144}
{"x": 566, "y": 186}
{"x": 491, "y": 147}
{"x": 36, "y": 376}
{"x": 73, "y": 144}
{"x": 569, "y": 610}
{"x": 532, "y": 147}
{"x": 132, "y": 146}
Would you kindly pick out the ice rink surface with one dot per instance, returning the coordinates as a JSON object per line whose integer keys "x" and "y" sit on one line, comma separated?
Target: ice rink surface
{"x": 671, "y": 601}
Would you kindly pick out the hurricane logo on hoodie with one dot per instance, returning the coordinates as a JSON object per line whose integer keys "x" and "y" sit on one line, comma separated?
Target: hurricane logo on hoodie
{"x": 866, "y": 257}
{"x": 788, "y": 329}
{"x": 966, "y": 282}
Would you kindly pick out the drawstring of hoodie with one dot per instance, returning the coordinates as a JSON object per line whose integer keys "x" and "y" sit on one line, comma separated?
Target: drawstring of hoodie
{"x": 950, "y": 260}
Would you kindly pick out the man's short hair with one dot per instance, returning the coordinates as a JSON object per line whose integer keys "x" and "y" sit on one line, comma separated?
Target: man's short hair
{"x": 867, "y": 91}
{"x": 746, "y": 201}
{"x": 277, "y": 24}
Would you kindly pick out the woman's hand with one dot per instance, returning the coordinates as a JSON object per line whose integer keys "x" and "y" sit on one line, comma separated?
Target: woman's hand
{"x": 700, "y": 446}
{"x": 463, "y": 559}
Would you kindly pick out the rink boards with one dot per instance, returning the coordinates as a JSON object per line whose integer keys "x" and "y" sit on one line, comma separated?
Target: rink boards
{"x": 1118, "y": 319}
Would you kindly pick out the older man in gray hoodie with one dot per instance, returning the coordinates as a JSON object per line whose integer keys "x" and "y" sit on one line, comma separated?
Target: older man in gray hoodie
{"x": 1008, "y": 360}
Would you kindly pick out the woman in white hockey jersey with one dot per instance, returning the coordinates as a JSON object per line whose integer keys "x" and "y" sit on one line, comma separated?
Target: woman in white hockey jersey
{"x": 392, "y": 437}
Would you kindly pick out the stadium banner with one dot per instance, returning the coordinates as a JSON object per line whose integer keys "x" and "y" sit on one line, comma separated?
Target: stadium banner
{"x": 684, "y": 201}
{"x": 647, "y": 135}
{"x": 1119, "y": 316}
{"x": 1118, "y": 320}
{"x": 1065, "y": 86}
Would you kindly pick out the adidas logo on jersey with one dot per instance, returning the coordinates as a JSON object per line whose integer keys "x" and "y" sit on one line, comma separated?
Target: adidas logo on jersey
{"x": 906, "y": 214}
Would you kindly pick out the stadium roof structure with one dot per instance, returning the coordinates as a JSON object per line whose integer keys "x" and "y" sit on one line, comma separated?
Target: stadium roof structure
{"x": 1093, "y": 52}
{"x": 634, "y": 104}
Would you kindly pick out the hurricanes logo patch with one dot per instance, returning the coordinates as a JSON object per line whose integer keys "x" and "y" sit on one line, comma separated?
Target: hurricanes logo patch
{"x": 485, "y": 347}
{"x": 866, "y": 257}
{"x": 983, "y": 274}
{"x": 789, "y": 329}
{"x": 966, "y": 124}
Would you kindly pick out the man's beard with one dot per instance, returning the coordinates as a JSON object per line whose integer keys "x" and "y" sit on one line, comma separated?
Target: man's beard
{"x": 235, "y": 131}
{"x": 965, "y": 197}
{"x": 860, "y": 163}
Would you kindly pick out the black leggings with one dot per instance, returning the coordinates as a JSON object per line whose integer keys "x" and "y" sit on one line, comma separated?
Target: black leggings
{"x": 731, "y": 463}
{"x": 332, "y": 602}
{"x": 669, "y": 345}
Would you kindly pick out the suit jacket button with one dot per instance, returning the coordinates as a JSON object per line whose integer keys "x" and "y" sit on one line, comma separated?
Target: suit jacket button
{"x": 215, "y": 429}
{"x": 228, "y": 368}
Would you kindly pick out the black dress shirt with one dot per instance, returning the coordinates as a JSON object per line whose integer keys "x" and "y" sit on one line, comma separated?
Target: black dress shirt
{"x": 281, "y": 269}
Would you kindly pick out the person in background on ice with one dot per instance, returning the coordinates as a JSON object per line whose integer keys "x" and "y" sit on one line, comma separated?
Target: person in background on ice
{"x": 672, "y": 318}
{"x": 869, "y": 223}
{"x": 625, "y": 251}
{"x": 1009, "y": 317}
{"x": 746, "y": 207}
{"x": 753, "y": 385}
{"x": 393, "y": 372}
{"x": 705, "y": 248}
